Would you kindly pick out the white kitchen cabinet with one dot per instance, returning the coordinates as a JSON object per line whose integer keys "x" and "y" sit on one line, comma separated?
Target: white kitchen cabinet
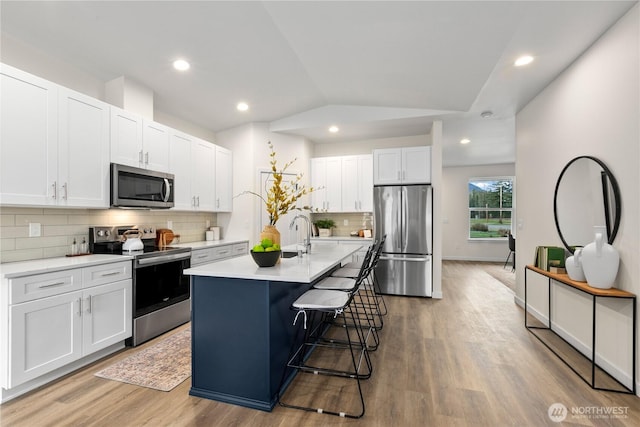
{"x": 138, "y": 142}
{"x": 57, "y": 318}
{"x": 83, "y": 151}
{"x": 106, "y": 316}
{"x": 326, "y": 178}
{"x": 180, "y": 147}
{"x": 203, "y": 180}
{"x": 357, "y": 183}
{"x": 28, "y": 138}
{"x": 126, "y": 138}
{"x": 59, "y": 136}
{"x": 209, "y": 254}
{"x": 408, "y": 165}
{"x": 224, "y": 180}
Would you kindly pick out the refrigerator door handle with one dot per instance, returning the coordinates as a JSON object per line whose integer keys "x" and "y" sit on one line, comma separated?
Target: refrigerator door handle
{"x": 413, "y": 259}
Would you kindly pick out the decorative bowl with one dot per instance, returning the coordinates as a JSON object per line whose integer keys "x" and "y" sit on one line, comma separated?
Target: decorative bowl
{"x": 266, "y": 259}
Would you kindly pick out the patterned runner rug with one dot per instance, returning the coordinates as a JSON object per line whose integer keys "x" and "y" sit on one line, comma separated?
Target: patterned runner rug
{"x": 162, "y": 366}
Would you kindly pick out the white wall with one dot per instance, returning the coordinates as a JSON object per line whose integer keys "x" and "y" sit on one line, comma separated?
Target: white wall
{"x": 249, "y": 144}
{"x": 455, "y": 211}
{"x": 592, "y": 108}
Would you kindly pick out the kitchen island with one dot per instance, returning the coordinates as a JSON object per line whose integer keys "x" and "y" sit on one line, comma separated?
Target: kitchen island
{"x": 242, "y": 325}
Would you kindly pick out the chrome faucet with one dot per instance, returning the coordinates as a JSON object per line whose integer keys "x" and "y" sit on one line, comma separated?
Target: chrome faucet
{"x": 307, "y": 242}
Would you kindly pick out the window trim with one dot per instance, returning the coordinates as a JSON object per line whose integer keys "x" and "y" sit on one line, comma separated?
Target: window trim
{"x": 512, "y": 209}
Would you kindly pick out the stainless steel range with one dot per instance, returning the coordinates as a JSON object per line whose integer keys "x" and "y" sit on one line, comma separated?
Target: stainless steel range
{"x": 161, "y": 292}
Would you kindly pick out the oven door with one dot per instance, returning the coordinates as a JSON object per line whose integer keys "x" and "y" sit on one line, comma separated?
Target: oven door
{"x": 159, "y": 282}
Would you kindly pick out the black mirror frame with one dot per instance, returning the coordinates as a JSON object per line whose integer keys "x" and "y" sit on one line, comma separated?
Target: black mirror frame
{"x": 612, "y": 231}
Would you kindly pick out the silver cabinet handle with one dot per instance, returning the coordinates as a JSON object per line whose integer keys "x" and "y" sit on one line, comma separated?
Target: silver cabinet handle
{"x": 198, "y": 199}
{"x": 55, "y": 190}
{"x": 140, "y": 157}
{"x": 66, "y": 191}
{"x": 218, "y": 202}
{"x": 113, "y": 273}
{"x": 201, "y": 256}
{"x": 50, "y": 285}
{"x": 399, "y": 177}
{"x": 80, "y": 307}
{"x": 90, "y": 304}
{"x": 146, "y": 158}
{"x": 193, "y": 201}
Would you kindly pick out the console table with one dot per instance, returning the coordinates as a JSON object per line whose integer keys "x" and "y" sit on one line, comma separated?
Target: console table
{"x": 595, "y": 293}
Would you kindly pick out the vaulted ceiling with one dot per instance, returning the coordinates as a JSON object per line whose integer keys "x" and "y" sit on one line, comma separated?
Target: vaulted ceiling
{"x": 374, "y": 68}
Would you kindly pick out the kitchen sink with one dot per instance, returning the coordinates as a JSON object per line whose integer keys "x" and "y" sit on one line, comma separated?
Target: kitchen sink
{"x": 289, "y": 254}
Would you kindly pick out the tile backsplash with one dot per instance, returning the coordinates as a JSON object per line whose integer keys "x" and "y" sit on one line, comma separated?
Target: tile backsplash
{"x": 60, "y": 226}
{"x": 355, "y": 221}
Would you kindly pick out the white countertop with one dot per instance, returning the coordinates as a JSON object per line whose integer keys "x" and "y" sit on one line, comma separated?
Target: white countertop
{"x": 47, "y": 265}
{"x": 207, "y": 244}
{"x": 323, "y": 257}
{"x": 364, "y": 240}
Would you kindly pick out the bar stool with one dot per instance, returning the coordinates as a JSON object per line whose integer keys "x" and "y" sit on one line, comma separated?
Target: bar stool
{"x": 331, "y": 305}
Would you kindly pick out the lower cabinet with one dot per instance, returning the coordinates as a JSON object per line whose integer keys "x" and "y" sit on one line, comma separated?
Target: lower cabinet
{"x": 206, "y": 255}
{"x": 47, "y": 333}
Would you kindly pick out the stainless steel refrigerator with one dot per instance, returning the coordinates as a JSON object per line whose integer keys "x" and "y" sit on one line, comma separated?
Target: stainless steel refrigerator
{"x": 404, "y": 213}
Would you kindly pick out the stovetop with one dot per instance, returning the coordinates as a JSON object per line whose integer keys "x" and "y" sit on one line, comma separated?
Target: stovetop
{"x": 109, "y": 240}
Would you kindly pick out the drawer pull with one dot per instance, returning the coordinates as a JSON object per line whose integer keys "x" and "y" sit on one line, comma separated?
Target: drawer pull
{"x": 50, "y": 285}
{"x": 113, "y": 273}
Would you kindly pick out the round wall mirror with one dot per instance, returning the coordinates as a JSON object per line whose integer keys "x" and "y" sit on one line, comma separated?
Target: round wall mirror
{"x": 586, "y": 195}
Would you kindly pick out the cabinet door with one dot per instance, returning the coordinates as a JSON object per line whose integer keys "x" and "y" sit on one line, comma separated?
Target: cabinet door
{"x": 416, "y": 163}
{"x": 28, "y": 139}
{"x": 180, "y": 166}
{"x": 333, "y": 184}
{"x": 83, "y": 151}
{"x": 365, "y": 183}
{"x": 155, "y": 146}
{"x": 318, "y": 177}
{"x": 387, "y": 166}
{"x": 203, "y": 182}
{"x": 107, "y": 315}
{"x": 350, "y": 184}
{"x": 126, "y": 138}
{"x": 224, "y": 180}
{"x": 45, "y": 334}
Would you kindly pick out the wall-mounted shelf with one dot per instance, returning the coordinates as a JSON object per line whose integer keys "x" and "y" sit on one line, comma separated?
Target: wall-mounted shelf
{"x": 595, "y": 293}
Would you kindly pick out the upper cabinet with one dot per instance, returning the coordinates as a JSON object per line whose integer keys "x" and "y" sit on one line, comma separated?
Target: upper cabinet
{"x": 357, "y": 183}
{"x": 408, "y": 165}
{"x": 224, "y": 180}
{"x": 326, "y": 178}
{"x": 180, "y": 147}
{"x": 138, "y": 142}
{"x": 59, "y": 136}
{"x": 203, "y": 180}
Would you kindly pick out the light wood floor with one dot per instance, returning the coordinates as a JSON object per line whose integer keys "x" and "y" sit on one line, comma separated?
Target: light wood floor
{"x": 465, "y": 360}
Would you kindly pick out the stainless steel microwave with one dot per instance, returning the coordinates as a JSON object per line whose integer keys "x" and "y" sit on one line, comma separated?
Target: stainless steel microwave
{"x": 140, "y": 188}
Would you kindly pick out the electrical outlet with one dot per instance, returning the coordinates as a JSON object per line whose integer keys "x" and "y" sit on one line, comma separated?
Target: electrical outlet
{"x": 170, "y": 224}
{"x": 35, "y": 230}
{"x": 345, "y": 222}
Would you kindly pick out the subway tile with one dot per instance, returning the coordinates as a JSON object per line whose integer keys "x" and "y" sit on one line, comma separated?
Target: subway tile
{"x": 56, "y": 251}
{"x": 40, "y": 242}
{"x": 7, "y": 220}
{"x": 14, "y": 231}
{"x": 19, "y": 210}
{"x": 7, "y": 244}
{"x": 46, "y": 219}
{"x": 22, "y": 255}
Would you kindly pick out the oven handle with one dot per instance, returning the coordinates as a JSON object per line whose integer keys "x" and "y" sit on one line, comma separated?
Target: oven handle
{"x": 163, "y": 258}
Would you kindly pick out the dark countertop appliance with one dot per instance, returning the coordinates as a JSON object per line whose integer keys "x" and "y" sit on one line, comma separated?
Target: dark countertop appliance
{"x": 161, "y": 292}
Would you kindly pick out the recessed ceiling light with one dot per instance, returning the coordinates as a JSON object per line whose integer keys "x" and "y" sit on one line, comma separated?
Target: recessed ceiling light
{"x": 465, "y": 141}
{"x": 486, "y": 114}
{"x": 181, "y": 65}
{"x": 523, "y": 60}
{"x": 334, "y": 129}
{"x": 242, "y": 106}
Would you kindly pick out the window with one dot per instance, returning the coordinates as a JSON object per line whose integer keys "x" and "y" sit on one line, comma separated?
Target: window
{"x": 490, "y": 207}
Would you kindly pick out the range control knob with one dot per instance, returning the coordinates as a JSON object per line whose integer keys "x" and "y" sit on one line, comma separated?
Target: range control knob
{"x": 107, "y": 233}
{"x": 100, "y": 233}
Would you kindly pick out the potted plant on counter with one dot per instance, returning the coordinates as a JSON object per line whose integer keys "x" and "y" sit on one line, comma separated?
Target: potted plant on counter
{"x": 325, "y": 226}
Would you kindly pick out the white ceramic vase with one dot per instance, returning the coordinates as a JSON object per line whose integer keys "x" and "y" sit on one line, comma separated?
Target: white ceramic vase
{"x": 573, "y": 264}
{"x": 600, "y": 261}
